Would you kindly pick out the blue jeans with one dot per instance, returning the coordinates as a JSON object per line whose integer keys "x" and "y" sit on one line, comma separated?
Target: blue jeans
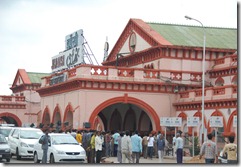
{"x": 150, "y": 151}
{"x": 179, "y": 155}
{"x": 209, "y": 161}
{"x": 44, "y": 158}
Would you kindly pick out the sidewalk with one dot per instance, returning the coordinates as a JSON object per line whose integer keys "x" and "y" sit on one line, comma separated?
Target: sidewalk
{"x": 167, "y": 159}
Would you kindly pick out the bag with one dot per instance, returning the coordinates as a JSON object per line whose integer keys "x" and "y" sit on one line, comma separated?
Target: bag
{"x": 41, "y": 140}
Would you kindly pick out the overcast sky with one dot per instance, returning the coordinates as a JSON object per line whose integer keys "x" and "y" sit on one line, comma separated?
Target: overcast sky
{"x": 33, "y": 31}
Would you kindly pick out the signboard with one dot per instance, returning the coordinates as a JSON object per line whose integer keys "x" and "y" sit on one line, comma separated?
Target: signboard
{"x": 216, "y": 121}
{"x": 235, "y": 121}
{"x": 73, "y": 55}
{"x": 57, "y": 79}
{"x": 171, "y": 121}
{"x": 192, "y": 121}
{"x": 74, "y": 39}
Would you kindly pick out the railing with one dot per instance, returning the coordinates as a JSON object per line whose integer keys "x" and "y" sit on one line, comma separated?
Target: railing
{"x": 4, "y": 99}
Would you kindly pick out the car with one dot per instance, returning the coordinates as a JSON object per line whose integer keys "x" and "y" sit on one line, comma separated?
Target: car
{"x": 222, "y": 159}
{"x": 5, "y": 130}
{"x": 21, "y": 141}
{"x": 62, "y": 148}
{"x": 4, "y": 149}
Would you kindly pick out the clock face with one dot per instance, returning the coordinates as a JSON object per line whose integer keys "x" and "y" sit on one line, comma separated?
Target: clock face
{"x": 132, "y": 42}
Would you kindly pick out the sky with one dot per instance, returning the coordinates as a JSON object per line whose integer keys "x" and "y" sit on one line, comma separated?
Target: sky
{"x": 33, "y": 31}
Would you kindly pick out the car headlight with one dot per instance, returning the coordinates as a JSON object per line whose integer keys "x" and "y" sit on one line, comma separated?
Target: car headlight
{"x": 60, "y": 152}
{"x": 82, "y": 152}
{"x": 22, "y": 144}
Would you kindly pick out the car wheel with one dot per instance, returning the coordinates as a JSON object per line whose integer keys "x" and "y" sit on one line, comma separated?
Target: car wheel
{"x": 52, "y": 159}
{"x": 35, "y": 158}
{"x": 8, "y": 160}
{"x": 17, "y": 154}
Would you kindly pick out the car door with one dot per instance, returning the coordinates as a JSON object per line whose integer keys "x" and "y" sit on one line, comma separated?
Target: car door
{"x": 13, "y": 140}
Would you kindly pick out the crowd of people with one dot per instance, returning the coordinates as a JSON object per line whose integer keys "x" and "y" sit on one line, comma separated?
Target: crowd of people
{"x": 128, "y": 146}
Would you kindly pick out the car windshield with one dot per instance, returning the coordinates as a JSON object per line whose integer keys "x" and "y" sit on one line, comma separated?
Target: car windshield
{"x": 3, "y": 139}
{"x": 63, "y": 139}
{"x": 30, "y": 134}
{"x": 5, "y": 132}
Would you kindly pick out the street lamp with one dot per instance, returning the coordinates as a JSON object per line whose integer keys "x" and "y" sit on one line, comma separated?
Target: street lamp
{"x": 203, "y": 72}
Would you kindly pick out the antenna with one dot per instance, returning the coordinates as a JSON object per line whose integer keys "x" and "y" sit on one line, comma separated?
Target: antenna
{"x": 106, "y": 48}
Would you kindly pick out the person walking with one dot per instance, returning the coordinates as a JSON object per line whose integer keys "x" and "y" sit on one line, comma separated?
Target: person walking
{"x": 150, "y": 145}
{"x": 92, "y": 150}
{"x": 126, "y": 147}
{"x": 136, "y": 145}
{"x": 45, "y": 140}
{"x": 209, "y": 150}
{"x": 144, "y": 146}
{"x": 99, "y": 140}
{"x": 231, "y": 150}
{"x": 160, "y": 147}
{"x": 179, "y": 148}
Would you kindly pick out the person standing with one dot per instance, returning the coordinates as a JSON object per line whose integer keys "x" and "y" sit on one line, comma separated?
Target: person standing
{"x": 174, "y": 145}
{"x": 160, "y": 147}
{"x": 126, "y": 147}
{"x": 92, "y": 145}
{"x": 209, "y": 150}
{"x": 179, "y": 148}
{"x": 99, "y": 140}
{"x": 150, "y": 145}
{"x": 79, "y": 137}
{"x": 144, "y": 146}
{"x": 107, "y": 144}
{"x": 231, "y": 150}
{"x": 119, "y": 154}
{"x": 45, "y": 145}
{"x": 136, "y": 147}
{"x": 115, "y": 137}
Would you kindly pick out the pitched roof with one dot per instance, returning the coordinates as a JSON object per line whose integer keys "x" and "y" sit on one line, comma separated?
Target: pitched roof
{"x": 185, "y": 35}
{"x": 36, "y": 77}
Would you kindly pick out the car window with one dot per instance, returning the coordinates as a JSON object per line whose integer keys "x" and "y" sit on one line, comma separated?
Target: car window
{"x": 3, "y": 139}
{"x": 15, "y": 133}
{"x": 5, "y": 132}
{"x": 63, "y": 139}
{"x": 29, "y": 134}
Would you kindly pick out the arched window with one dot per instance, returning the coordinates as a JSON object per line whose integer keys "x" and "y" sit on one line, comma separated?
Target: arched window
{"x": 219, "y": 82}
{"x": 234, "y": 80}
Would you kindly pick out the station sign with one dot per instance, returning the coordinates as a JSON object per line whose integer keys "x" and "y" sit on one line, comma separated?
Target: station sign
{"x": 57, "y": 79}
{"x": 171, "y": 121}
{"x": 192, "y": 121}
{"x": 73, "y": 54}
{"x": 216, "y": 121}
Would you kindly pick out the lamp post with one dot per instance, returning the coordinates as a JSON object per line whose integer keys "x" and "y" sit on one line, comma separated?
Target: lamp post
{"x": 203, "y": 73}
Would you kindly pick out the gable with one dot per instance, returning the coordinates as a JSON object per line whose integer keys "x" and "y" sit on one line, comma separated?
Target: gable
{"x": 21, "y": 78}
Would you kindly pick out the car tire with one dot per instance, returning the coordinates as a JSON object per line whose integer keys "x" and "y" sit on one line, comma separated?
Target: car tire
{"x": 8, "y": 159}
{"x": 35, "y": 158}
{"x": 52, "y": 159}
{"x": 17, "y": 154}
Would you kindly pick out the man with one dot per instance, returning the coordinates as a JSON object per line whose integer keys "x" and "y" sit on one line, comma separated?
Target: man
{"x": 107, "y": 144}
{"x": 79, "y": 137}
{"x": 99, "y": 140}
{"x": 174, "y": 145}
{"x": 160, "y": 147}
{"x": 115, "y": 137}
{"x": 136, "y": 147}
{"x": 179, "y": 148}
{"x": 92, "y": 145}
{"x": 126, "y": 147}
{"x": 144, "y": 145}
{"x": 45, "y": 145}
{"x": 209, "y": 149}
{"x": 150, "y": 145}
{"x": 231, "y": 150}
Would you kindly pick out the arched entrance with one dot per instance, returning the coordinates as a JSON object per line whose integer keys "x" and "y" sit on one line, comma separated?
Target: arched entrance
{"x": 10, "y": 118}
{"x": 124, "y": 113}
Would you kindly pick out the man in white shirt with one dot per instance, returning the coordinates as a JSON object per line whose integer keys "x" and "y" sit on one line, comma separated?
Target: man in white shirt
{"x": 150, "y": 145}
{"x": 126, "y": 148}
{"x": 174, "y": 145}
{"x": 179, "y": 148}
{"x": 99, "y": 140}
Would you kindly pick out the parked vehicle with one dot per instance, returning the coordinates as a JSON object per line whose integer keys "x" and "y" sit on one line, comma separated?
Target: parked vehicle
{"x": 21, "y": 141}
{"x": 5, "y": 129}
{"x": 4, "y": 149}
{"x": 62, "y": 148}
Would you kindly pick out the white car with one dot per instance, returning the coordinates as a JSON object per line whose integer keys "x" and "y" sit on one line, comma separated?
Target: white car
{"x": 62, "y": 148}
{"x": 21, "y": 141}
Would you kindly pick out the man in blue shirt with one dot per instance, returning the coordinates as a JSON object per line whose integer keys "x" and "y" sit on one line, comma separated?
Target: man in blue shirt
{"x": 136, "y": 143}
{"x": 179, "y": 148}
{"x": 115, "y": 138}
